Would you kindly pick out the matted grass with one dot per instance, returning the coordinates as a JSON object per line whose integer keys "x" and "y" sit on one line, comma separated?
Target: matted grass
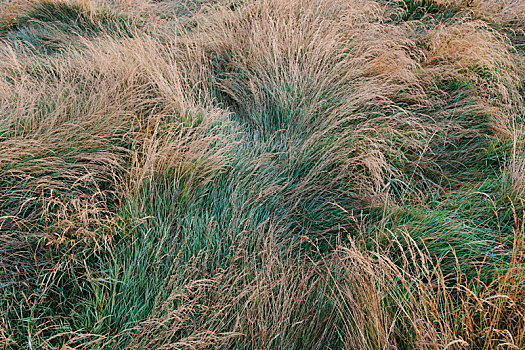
{"x": 262, "y": 174}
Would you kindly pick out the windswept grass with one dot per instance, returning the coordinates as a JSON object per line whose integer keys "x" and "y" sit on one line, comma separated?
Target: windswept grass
{"x": 262, "y": 174}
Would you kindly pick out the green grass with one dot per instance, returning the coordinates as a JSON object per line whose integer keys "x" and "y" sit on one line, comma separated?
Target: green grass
{"x": 53, "y": 27}
{"x": 281, "y": 175}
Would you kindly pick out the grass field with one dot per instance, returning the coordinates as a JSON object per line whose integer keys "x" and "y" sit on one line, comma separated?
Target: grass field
{"x": 262, "y": 174}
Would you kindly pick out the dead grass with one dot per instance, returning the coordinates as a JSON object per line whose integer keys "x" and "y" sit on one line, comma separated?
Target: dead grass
{"x": 215, "y": 175}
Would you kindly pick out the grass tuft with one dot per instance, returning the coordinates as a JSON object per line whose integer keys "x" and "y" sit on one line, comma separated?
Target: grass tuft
{"x": 262, "y": 174}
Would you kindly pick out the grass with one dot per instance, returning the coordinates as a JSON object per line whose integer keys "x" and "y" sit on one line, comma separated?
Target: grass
{"x": 50, "y": 26}
{"x": 261, "y": 174}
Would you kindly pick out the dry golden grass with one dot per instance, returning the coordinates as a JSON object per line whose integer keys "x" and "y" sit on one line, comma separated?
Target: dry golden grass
{"x": 262, "y": 174}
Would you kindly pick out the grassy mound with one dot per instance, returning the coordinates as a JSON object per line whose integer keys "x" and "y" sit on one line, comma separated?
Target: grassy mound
{"x": 262, "y": 174}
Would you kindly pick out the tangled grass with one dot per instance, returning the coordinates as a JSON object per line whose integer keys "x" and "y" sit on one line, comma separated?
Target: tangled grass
{"x": 262, "y": 174}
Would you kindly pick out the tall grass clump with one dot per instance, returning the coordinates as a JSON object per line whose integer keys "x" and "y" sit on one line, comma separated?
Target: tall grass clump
{"x": 262, "y": 174}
